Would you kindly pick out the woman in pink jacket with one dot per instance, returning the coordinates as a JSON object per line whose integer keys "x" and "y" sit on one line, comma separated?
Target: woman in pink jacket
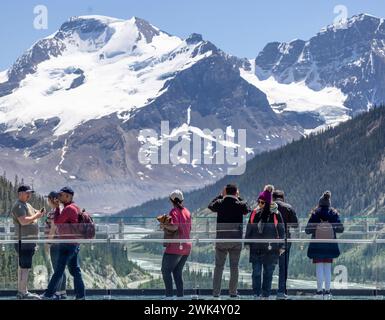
{"x": 176, "y": 253}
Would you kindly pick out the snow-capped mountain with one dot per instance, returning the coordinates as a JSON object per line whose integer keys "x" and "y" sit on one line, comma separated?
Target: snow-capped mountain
{"x": 100, "y": 60}
{"x": 344, "y": 64}
{"x": 72, "y": 107}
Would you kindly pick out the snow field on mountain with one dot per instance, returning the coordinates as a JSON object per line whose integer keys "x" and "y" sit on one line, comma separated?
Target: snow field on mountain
{"x": 122, "y": 75}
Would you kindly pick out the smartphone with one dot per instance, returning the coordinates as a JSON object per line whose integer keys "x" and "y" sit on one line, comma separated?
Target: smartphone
{"x": 42, "y": 210}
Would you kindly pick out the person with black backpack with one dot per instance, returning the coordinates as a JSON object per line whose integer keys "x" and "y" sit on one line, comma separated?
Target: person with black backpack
{"x": 68, "y": 252}
{"x": 324, "y": 224}
{"x": 290, "y": 220}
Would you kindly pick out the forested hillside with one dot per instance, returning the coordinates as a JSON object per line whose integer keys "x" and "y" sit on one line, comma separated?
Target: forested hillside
{"x": 348, "y": 160}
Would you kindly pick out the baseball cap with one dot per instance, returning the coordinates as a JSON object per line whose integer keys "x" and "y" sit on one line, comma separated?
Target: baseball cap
{"x": 52, "y": 195}
{"x": 176, "y": 194}
{"x": 67, "y": 190}
{"x": 25, "y": 188}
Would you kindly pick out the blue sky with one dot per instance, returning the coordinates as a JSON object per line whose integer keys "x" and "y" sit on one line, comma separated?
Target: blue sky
{"x": 240, "y": 27}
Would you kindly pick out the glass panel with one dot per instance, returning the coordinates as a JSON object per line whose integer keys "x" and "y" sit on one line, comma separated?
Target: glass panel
{"x": 124, "y": 261}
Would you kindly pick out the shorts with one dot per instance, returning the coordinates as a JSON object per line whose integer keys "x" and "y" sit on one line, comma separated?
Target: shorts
{"x": 25, "y": 252}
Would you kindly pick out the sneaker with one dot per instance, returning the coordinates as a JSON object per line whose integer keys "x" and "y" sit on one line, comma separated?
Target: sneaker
{"x": 328, "y": 295}
{"x": 319, "y": 295}
{"x": 62, "y": 295}
{"x": 27, "y": 296}
{"x": 281, "y": 296}
{"x": 234, "y": 296}
{"x": 44, "y": 297}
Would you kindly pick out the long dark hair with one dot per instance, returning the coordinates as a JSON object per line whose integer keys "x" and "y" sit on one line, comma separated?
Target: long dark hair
{"x": 265, "y": 212}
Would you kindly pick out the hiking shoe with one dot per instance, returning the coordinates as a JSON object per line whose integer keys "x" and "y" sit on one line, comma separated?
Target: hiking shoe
{"x": 27, "y": 296}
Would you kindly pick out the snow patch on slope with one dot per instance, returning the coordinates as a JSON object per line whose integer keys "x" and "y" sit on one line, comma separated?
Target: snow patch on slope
{"x": 298, "y": 97}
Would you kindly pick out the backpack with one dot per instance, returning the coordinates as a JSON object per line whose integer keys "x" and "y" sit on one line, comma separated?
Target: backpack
{"x": 85, "y": 228}
{"x": 324, "y": 230}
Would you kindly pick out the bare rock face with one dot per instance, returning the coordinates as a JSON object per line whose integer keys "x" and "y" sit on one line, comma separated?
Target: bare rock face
{"x": 350, "y": 56}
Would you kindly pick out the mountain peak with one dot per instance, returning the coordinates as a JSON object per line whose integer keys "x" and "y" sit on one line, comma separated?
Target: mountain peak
{"x": 145, "y": 28}
{"x": 364, "y": 19}
{"x": 362, "y": 16}
{"x": 104, "y": 19}
{"x": 194, "y": 38}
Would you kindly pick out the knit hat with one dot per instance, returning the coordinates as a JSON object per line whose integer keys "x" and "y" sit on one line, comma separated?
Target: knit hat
{"x": 325, "y": 201}
{"x": 267, "y": 194}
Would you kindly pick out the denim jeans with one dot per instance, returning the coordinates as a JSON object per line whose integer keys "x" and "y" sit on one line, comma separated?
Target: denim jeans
{"x": 68, "y": 256}
{"x": 265, "y": 285}
{"x": 172, "y": 264}
{"x": 54, "y": 251}
{"x": 283, "y": 270}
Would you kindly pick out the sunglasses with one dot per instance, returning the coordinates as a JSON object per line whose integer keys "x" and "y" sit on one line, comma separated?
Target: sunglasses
{"x": 261, "y": 202}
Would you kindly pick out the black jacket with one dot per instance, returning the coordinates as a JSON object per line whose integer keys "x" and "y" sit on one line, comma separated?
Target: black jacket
{"x": 230, "y": 211}
{"x": 289, "y": 216}
{"x": 263, "y": 227}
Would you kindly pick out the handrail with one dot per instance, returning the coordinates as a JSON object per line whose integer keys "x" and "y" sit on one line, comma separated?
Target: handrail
{"x": 196, "y": 240}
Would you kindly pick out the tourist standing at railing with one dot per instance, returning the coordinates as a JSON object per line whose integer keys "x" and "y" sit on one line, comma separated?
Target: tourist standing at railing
{"x": 265, "y": 222}
{"x": 68, "y": 252}
{"x": 54, "y": 248}
{"x": 230, "y": 209}
{"x": 176, "y": 253}
{"x": 324, "y": 224}
{"x": 290, "y": 220}
{"x": 25, "y": 219}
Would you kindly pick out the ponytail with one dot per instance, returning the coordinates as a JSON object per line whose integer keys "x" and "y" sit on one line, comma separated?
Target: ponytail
{"x": 178, "y": 203}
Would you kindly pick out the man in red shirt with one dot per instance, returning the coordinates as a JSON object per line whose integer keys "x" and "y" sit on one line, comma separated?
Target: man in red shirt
{"x": 68, "y": 252}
